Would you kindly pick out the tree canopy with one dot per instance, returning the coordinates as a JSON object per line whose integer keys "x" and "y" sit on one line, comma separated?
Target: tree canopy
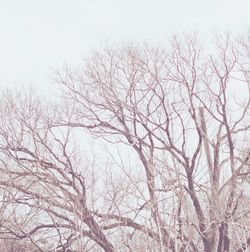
{"x": 175, "y": 172}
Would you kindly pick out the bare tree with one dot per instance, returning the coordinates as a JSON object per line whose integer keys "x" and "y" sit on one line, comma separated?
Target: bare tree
{"x": 176, "y": 124}
{"x": 41, "y": 173}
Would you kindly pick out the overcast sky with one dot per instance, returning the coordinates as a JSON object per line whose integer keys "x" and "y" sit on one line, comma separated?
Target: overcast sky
{"x": 37, "y": 35}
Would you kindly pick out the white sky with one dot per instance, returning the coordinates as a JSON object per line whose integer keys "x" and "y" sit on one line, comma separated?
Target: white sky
{"x": 37, "y": 35}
